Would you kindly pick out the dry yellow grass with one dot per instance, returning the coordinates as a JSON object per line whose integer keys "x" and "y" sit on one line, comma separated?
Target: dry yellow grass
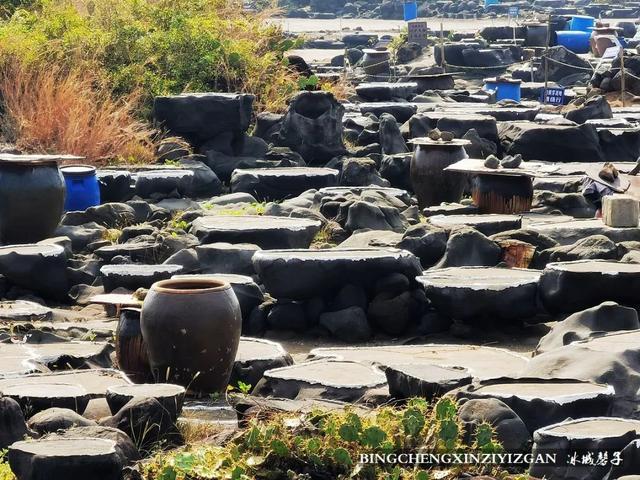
{"x": 50, "y": 110}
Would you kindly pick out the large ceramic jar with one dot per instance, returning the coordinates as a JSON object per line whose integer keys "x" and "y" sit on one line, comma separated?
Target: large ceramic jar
{"x": 376, "y": 62}
{"x": 31, "y": 198}
{"x": 192, "y": 331}
{"x": 431, "y": 183}
{"x": 131, "y": 351}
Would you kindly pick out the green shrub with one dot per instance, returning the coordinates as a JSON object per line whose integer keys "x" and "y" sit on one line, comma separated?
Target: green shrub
{"x": 160, "y": 46}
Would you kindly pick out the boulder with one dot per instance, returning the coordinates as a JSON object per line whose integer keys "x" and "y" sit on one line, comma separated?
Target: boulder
{"x": 571, "y": 204}
{"x": 348, "y": 325}
{"x": 562, "y": 63}
{"x": 268, "y": 125}
{"x": 391, "y": 140}
{"x": 553, "y": 143}
{"x": 511, "y": 431}
{"x": 200, "y": 117}
{"x": 392, "y": 312}
{"x": 12, "y": 424}
{"x": 313, "y": 127}
{"x": 593, "y": 247}
{"x": 366, "y": 215}
{"x": 426, "y": 242}
{"x": 361, "y": 172}
{"x": 144, "y": 419}
{"x": 606, "y": 317}
{"x": 204, "y": 182}
{"x": 396, "y": 169}
{"x": 468, "y": 247}
{"x": 54, "y": 419}
{"x": 594, "y": 107}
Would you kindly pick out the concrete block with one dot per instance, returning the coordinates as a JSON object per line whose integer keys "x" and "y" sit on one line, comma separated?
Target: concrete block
{"x": 620, "y": 211}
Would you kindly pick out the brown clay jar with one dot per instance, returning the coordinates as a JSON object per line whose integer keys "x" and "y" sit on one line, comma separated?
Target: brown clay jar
{"x": 192, "y": 331}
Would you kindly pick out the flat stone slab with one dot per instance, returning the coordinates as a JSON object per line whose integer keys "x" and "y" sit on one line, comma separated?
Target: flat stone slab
{"x": 482, "y": 362}
{"x": 94, "y": 381}
{"x": 594, "y": 434}
{"x": 134, "y": 276}
{"x": 385, "y": 91}
{"x": 542, "y": 402}
{"x": 65, "y": 458}
{"x": 164, "y": 181}
{"x": 489, "y": 224}
{"x": 116, "y": 299}
{"x": 262, "y": 230}
{"x": 24, "y": 311}
{"x": 427, "y": 381}
{"x": 37, "y": 267}
{"x": 169, "y": 395}
{"x": 566, "y": 233}
{"x": 317, "y": 271}
{"x": 34, "y": 398}
{"x": 22, "y": 358}
{"x": 573, "y": 286}
{"x": 336, "y": 379}
{"x": 138, "y": 251}
{"x": 254, "y": 357}
{"x": 281, "y": 183}
{"x": 468, "y": 292}
{"x": 340, "y": 191}
{"x": 529, "y": 218}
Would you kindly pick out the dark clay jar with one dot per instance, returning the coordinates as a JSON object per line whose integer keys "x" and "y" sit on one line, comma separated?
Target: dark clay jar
{"x": 431, "y": 183}
{"x": 192, "y": 331}
{"x": 131, "y": 351}
{"x": 31, "y": 200}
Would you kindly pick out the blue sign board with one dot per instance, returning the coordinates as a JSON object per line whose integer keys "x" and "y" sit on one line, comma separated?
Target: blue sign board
{"x": 553, "y": 96}
{"x": 513, "y": 12}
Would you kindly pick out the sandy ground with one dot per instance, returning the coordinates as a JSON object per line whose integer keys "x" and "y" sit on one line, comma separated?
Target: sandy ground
{"x": 308, "y": 25}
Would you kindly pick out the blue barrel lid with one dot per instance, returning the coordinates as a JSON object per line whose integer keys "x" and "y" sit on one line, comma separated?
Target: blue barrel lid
{"x": 78, "y": 170}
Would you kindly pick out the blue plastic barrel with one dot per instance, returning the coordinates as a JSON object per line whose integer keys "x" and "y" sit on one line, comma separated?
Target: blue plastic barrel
{"x": 83, "y": 190}
{"x": 581, "y": 23}
{"x": 488, "y": 3}
{"x": 576, "y": 41}
{"x": 505, "y": 89}
{"x": 410, "y": 11}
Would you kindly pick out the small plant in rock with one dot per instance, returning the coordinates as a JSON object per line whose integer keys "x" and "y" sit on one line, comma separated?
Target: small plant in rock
{"x": 244, "y": 388}
{"x": 172, "y": 163}
{"x": 112, "y": 235}
{"x": 178, "y": 223}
